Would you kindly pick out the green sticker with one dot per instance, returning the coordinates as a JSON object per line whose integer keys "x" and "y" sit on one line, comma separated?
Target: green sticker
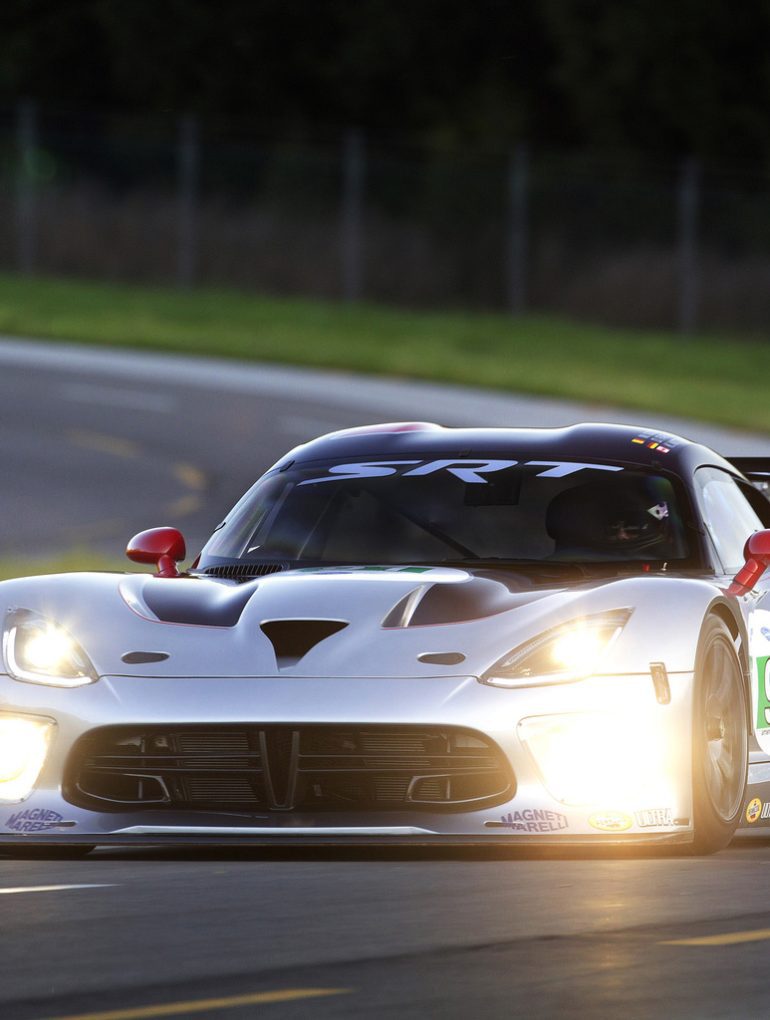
{"x": 367, "y": 569}
{"x": 763, "y": 693}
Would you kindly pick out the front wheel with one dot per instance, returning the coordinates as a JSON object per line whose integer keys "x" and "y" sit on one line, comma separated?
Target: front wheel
{"x": 720, "y": 739}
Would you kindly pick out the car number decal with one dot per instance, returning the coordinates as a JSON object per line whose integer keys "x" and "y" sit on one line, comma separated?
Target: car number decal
{"x": 759, "y": 650}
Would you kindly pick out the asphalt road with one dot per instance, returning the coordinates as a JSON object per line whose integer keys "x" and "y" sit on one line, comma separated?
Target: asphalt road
{"x": 385, "y": 935}
{"x": 95, "y": 446}
{"x": 93, "y": 449}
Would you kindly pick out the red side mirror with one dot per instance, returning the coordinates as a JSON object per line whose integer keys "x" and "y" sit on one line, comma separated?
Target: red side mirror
{"x": 162, "y": 546}
{"x": 756, "y": 552}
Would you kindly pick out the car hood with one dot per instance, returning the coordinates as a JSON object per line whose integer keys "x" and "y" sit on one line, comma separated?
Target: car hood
{"x": 354, "y": 622}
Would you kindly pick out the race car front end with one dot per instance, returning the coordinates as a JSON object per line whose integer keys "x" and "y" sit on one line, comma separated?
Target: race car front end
{"x": 143, "y": 760}
{"x": 201, "y": 710}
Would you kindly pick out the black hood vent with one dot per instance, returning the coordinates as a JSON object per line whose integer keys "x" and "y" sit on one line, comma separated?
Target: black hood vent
{"x": 245, "y": 571}
{"x": 191, "y": 601}
{"x": 292, "y": 639}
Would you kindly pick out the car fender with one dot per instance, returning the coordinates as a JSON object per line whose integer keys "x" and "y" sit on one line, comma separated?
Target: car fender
{"x": 666, "y": 622}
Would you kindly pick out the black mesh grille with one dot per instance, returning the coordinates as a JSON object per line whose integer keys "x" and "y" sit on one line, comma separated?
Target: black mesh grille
{"x": 287, "y": 768}
{"x": 239, "y": 571}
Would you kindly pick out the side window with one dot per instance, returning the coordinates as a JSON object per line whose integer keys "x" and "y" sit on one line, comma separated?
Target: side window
{"x": 727, "y": 514}
{"x": 760, "y": 503}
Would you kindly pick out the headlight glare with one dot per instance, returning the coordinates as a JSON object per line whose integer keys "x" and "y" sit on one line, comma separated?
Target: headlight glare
{"x": 588, "y": 758}
{"x": 23, "y": 748}
{"x": 40, "y": 651}
{"x": 568, "y": 652}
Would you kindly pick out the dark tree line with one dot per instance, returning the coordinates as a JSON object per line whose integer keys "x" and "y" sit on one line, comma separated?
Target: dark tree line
{"x": 656, "y": 76}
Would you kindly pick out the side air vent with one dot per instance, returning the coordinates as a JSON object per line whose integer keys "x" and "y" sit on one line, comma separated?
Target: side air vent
{"x": 138, "y": 658}
{"x": 243, "y": 571}
{"x": 292, "y": 639}
{"x": 441, "y": 658}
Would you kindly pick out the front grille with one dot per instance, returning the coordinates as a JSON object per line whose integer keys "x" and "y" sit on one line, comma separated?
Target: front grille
{"x": 287, "y": 768}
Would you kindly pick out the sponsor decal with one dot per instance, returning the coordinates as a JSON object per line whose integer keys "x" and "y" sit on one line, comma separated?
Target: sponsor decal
{"x": 472, "y": 472}
{"x": 661, "y": 442}
{"x": 765, "y": 811}
{"x": 37, "y": 820}
{"x": 653, "y": 817}
{"x": 534, "y": 820}
{"x": 754, "y": 810}
{"x": 610, "y": 821}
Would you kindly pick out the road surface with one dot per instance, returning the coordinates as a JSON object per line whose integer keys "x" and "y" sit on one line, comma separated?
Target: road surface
{"x": 97, "y": 446}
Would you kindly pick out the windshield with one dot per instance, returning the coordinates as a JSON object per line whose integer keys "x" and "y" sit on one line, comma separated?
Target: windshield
{"x": 447, "y": 511}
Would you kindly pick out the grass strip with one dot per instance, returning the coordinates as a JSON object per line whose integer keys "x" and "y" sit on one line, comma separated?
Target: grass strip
{"x": 65, "y": 562}
{"x": 708, "y": 377}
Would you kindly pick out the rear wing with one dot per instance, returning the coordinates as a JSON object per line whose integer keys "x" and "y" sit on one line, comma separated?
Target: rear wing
{"x": 756, "y": 469}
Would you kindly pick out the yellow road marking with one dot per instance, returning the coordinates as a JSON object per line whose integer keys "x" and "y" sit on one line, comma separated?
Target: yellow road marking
{"x": 728, "y": 939}
{"x": 202, "y": 1005}
{"x": 104, "y": 444}
{"x": 190, "y": 476}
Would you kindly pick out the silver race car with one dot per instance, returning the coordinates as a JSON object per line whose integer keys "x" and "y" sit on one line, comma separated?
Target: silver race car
{"x": 412, "y": 634}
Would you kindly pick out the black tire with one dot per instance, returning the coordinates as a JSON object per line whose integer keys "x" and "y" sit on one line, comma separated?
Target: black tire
{"x": 720, "y": 744}
{"x": 47, "y": 853}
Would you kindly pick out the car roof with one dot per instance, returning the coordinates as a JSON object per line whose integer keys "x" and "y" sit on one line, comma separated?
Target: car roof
{"x": 645, "y": 446}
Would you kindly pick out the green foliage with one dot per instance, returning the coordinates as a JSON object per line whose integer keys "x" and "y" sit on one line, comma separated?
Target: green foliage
{"x": 707, "y": 377}
{"x": 62, "y": 563}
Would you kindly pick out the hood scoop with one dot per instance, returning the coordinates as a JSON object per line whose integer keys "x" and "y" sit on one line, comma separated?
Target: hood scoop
{"x": 197, "y": 602}
{"x": 293, "y": 639}
{"x": 433, "y": 604}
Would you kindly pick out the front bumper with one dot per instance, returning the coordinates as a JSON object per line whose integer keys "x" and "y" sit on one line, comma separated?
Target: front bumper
{"x": 660, "y": 811}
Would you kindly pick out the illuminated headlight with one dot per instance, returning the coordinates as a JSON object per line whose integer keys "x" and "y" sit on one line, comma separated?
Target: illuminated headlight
{"x": 593, "y": 758}
{"x": 568, "y": 652}
{"x": 40, "y": 651}
{"x": 23, "y": 747}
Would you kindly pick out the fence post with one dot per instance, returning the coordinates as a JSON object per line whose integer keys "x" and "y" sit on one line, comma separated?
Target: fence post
{"x": 352, "y": 235}
{"x": 188, "y": 172}
{"x": 688, "y": 205}
{"x": 26, "y": 205}
{"x": 518, "y": 202}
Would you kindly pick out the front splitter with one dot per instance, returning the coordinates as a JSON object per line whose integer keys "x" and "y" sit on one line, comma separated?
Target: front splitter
{"x": 305, "y": 838}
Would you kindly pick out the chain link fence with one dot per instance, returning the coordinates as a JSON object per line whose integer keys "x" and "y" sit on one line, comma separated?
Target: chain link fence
{"x": 615, "y": 240}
